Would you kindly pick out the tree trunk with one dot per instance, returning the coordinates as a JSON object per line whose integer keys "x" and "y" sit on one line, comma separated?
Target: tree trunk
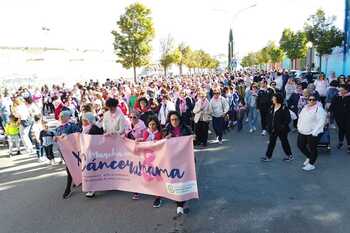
{"x": 180, "y": 69}
{"x": 320, "y": 66}
{"x": 135, "y": 79}
{"x": 165, "y": 71}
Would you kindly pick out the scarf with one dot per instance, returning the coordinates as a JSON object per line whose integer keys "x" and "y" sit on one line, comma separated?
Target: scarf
{"x": 151, "y": 135}
{"x": 183, "y": 106}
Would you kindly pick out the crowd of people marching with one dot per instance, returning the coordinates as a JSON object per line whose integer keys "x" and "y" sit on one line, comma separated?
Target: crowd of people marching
{"x": 160, "y": 107}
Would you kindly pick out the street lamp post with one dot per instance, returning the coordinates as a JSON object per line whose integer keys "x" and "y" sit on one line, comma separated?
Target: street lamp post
{"x": 232, "y": 50}
{"x": 309, "y": 46}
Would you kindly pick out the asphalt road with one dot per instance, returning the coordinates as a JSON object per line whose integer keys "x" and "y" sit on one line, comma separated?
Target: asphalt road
{"x": 238, "y": 193}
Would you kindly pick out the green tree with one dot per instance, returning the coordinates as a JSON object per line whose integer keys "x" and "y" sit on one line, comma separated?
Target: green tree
{"x": 168, "y": 55}
{"x": 293, "y": 44}
{"x": 249, "y": 60}
{"x": 214, "y": 63}
{"x": 182, "y": 54}
{"x": 192, "y": 60}
{"x": 133, "y": 37}
{"x": 263, "y": 56}
{"x": 323, "y": 34}
{"x": 204, "y": 59}
{"x": 275, "y": 53}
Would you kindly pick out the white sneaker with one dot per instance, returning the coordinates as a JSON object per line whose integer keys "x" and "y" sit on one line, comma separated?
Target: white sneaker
{"x": 254, "y": 128}
{"x": 179, "y": 210}
{"x": 90, "y": 194}
{"x": 247, "y": 120}
{"x": 309, "y": 167}
{"x": 39, "y": 160}
{"x": 220, "y": 142}
{"x": 263, "y": 133}
{"x": 251, "y": 131}
{"x": 307, "y": 161}
{"x": 52, "y": 162}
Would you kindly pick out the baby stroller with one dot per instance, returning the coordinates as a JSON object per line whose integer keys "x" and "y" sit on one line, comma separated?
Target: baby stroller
{"x": 325, "y": 139}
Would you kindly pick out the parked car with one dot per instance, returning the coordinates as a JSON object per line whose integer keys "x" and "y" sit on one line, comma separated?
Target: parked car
{"x": 295, "y": 73}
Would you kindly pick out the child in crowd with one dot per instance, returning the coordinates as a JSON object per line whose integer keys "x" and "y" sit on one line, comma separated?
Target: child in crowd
{"x": 46, "y": 141}
{"x": 152, "y": 133}
{"x": 241, "y": 110}
{"x": 36, "y": 129}
{"x": 12, "y": 133}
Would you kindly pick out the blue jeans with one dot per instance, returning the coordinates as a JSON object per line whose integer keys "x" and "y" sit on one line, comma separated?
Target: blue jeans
{"x": 240, "y": 117}
{"x": 253, "y": 117}
{"x": 218, "y": 125}
{"x": 39, "y": 149}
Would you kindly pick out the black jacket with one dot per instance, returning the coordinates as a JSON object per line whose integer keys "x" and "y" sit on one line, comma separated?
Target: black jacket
{"x": 279, "y": 121}
{"x": 184, "y": 130}
{"x": 340, "y": 107}
{"x": 293, "y": 102}
{"x": 264, "y": 99}
{"x": 95, "y": 130}
{"x": 189, "y": 106}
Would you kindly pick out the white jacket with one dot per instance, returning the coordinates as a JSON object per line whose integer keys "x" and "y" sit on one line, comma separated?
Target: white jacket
{"x": 164, "y": 110}
{"x": 312, "y": 120}
{"x": 201, "y": 114}
{"x": 321, "y": 86}
{"x": 114, "y": 126}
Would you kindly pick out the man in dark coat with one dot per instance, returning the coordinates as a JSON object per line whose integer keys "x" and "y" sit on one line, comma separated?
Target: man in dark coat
{"x": 263, "y": 103}
{"x": 340, "y": 107}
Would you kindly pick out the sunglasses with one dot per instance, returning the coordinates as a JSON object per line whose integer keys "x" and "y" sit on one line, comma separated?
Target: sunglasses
{"x": 312, "y": 99}
{"x": 174, "y": 119}
{"x": 216, "y": 93}
{"x": 133, "y": 117}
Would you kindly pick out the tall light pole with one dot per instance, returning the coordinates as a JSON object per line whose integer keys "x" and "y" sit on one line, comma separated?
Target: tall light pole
{"x": 235, "y": 17}
{"x": 309, "y": 46}
{"x": 231, "y": 44}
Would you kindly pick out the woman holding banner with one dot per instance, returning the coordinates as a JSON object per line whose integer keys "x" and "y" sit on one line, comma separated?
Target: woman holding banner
{"x": 136, "y": 126}
{"x": 152, "y": 133}
{"x": 114, "y": 121}
{"x": 177, "y": 128}
{"x": 89, "y": 127}
{"x": 67, "y": 127}
{"x": 135, "y": 132}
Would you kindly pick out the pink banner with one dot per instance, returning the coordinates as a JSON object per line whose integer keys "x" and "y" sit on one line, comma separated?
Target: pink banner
{"x": 164, "y": 168}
